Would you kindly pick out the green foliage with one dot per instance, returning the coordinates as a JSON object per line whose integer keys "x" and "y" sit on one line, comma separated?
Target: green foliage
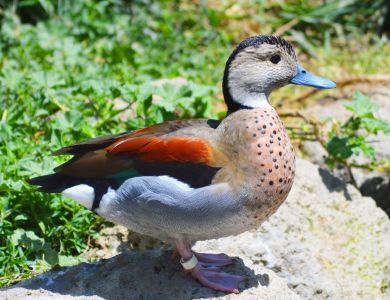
{"x": 308, "y": 22}
{"x": 341, "y": 18}
{"x": 352, "y": 138}
{"x": 39, "y": 247}
{"x": 64, "y": 65}
{"x": 59, "y": 81}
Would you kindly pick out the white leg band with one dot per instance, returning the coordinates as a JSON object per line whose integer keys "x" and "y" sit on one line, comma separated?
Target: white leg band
{"x": 189, "y": 264}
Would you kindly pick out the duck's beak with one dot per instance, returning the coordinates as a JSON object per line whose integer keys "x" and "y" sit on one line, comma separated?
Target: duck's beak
{"x": 303, "y": 77}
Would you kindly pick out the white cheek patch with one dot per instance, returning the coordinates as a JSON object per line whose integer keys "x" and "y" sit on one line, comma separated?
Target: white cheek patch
{"x": 82, "y": 193}
{"x": 243, "y": 97}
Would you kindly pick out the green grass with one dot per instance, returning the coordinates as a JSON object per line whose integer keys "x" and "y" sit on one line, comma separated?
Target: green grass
{"x": 58, "y": 80}
{"x": 62, "y": 67}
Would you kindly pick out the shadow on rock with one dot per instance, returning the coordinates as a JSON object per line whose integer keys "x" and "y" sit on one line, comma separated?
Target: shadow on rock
{"x": 333, "y": 183}
{"x": 136, "y": 275}
{"x": 379, "y": 189}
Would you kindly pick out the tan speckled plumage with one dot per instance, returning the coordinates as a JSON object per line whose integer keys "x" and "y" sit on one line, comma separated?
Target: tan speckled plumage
{"x": 260, "y": 160}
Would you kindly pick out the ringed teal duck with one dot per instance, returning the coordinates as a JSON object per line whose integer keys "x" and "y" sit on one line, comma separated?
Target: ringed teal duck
{"x": 189, "y": 180}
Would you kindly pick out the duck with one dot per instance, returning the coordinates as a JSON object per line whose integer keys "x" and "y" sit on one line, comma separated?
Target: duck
{"x": 185, "y": 181}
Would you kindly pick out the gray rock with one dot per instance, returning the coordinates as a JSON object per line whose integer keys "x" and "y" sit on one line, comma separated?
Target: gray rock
{"x": 143, "y": 275}
{"x": 375, "y": 184}
{"x": 337, "y": 242}
{"x": 325, "y": 242}
{"x": 315, "y": 152}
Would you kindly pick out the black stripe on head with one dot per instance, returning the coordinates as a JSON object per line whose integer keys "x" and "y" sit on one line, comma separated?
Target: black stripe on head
{"x": 253, "y": 41}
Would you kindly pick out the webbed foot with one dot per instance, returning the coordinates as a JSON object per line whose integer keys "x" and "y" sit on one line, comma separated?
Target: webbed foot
{"x": 216, "y": 279}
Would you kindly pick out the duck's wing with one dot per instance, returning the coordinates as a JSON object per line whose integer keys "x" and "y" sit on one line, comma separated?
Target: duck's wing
{"x": 157, "y": 130}
{"x": 180, "y": 149}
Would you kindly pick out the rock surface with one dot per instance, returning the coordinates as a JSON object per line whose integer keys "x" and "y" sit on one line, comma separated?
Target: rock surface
{"x": 143, "y": 275}
{"x": 325, "y": 242}
{"x": 375, "y": 184}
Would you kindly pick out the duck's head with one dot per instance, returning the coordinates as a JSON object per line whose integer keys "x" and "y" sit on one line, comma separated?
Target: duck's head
{"x": 259, "y": 65}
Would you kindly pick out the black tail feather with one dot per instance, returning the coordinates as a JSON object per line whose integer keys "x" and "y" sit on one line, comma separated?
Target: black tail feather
{"x": 57, "y": 182}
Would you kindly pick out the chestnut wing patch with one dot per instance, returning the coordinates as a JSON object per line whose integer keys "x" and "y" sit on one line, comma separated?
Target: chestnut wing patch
{"x": 163, "y": 149}
{"x": 152, "y": 151}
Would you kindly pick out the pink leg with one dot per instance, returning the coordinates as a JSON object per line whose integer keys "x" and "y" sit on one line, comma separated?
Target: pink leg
{"x": 207, "y": 269}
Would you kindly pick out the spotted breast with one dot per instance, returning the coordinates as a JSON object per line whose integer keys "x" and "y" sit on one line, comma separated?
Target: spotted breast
{"x": 261, "y": 161}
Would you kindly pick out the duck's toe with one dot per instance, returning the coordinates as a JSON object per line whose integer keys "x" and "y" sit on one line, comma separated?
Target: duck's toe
{"x": 216, "y": 279}
{"x": 214, "y": 260}
{"x": 206, "y": 268}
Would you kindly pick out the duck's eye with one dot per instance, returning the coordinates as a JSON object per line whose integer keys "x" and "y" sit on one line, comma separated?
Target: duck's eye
{"x": 275, "y": 59}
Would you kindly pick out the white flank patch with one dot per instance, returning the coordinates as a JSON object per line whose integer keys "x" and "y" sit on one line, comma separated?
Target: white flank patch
{"x": 82, "y": 193}
{"x": 107, "y": 199}
{"x": 175, "y": 182}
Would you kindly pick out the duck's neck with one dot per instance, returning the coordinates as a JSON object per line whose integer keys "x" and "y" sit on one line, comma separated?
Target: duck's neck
{"x": 258, "y": 100}
{"x": 238, "y": 96}
{"x": 246, "y": 101}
